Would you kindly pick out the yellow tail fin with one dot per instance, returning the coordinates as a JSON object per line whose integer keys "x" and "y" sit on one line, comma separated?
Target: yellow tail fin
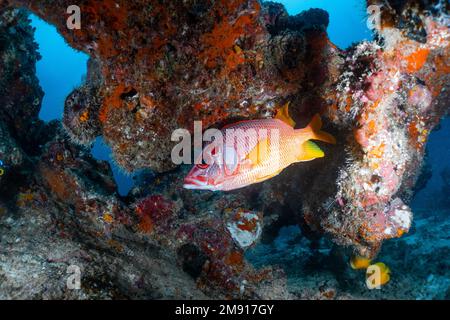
{"x": 310, "y": 151}
{"x": 317, "y": 133}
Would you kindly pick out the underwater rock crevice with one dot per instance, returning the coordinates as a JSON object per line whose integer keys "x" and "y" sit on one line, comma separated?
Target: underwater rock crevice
{"x": 173, "y": 63}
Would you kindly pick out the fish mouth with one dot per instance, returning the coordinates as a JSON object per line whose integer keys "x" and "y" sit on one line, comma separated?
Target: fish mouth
{"x": 190, "y": 183}
{"x": 194, "y": 184}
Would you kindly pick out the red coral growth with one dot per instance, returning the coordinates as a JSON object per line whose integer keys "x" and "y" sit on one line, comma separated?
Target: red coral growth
{"x": 417, "y": 60}
{"x": 247, "y": 224}
{"x": 112, "y": 101}
{"x": 220, "y": 43}
{"x": 155, "y": 212}
{"x": 226, "y": 268}
{"x": 60, "y": 184}
{"x": 392, "y": 222}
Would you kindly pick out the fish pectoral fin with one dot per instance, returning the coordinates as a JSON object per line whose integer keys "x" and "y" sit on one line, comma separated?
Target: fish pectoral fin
{"x": 310, "y": 151}
{"x": 283, "y": 115}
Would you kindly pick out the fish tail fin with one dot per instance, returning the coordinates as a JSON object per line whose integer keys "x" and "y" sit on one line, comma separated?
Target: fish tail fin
{"x": 317, "y": 134}
{"x": 310, "y": 151}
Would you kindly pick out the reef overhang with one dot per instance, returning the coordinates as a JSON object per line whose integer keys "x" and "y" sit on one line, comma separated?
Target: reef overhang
{"x": 157, "y": 66}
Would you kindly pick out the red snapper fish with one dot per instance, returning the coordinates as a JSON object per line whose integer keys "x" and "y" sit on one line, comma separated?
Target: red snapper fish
{"x": 253, "y": 151}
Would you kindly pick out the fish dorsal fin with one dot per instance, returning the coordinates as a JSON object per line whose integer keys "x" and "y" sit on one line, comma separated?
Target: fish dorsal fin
{"x": 283, "y": 115}
{"x": 317, "y": 134}
{"x": 259, "y": 153}
{"x": 310, "y": 151}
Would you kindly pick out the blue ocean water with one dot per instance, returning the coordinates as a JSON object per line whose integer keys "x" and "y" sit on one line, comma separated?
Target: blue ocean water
{"x": 434, "y": 195}
{"x": 347, "y": 18}
{"x": 62, "y": 68}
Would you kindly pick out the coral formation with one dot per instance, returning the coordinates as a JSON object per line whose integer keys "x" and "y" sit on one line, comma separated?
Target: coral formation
{"x": 391, "y": 95}
{"x": 81, "y": 109}
{"x": 159, "y": 65}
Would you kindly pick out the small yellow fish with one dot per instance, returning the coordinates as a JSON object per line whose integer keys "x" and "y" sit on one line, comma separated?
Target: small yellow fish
{"x": 254, "y": 151}
{"x": 377, "y": 274}
{"x": 358, "y": 262}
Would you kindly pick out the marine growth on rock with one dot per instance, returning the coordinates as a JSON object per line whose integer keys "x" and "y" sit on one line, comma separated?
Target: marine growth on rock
{"x": 158, "y": 66}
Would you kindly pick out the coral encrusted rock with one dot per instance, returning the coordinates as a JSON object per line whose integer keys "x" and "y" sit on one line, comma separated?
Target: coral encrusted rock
{"x": 157, "y": 66}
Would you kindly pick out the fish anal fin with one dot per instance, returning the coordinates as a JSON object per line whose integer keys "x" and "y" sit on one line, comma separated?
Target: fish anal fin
{"x": 267, "y": 177}
{"x": 283, "y": 115}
